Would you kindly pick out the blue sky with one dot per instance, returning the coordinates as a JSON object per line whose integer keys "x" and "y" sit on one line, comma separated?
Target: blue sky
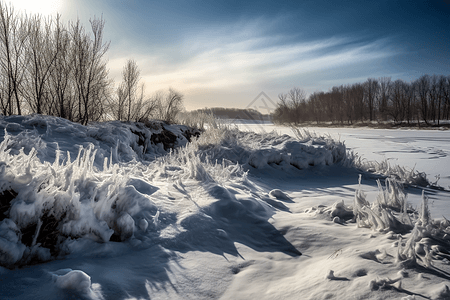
{"x": 224, "y": 53}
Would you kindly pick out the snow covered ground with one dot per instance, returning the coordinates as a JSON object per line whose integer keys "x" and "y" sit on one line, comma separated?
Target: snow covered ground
{"x": 424, "y": 150}
{"x": 232, "y": 215}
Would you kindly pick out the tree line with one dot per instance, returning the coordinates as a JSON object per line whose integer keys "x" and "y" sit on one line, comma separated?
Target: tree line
{"x": 57, "y": 69}
{"x": 425, "y": 100}
{"x": 234, "y": 113}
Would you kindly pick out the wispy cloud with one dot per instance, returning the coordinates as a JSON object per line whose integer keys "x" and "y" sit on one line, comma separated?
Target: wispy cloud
{"x": 243, "y": 55}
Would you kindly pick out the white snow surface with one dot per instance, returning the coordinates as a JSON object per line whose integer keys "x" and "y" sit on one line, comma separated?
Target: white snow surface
{"x": 102, "y": 212}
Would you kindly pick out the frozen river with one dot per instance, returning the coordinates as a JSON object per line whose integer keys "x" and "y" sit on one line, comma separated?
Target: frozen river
{"x": 424, "y": 150}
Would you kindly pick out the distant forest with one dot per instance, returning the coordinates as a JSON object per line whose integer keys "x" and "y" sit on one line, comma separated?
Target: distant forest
{"x": 425, "y": 100}
{"x": 235, "y": 113}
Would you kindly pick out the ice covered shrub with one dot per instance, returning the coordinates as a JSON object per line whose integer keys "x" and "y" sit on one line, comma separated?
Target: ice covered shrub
{"x": 392, "y": 196}
{"x": 399, "y": 173}
{"x": 428, "y": 240}
{"x": 262, "y": 150}
{"x": 191, "y": 162}
{"x": 380, "y": 215}
{"x": 387, "y": 213}
{"x": 60, "y": 201}
{"x": 337, "y": 148}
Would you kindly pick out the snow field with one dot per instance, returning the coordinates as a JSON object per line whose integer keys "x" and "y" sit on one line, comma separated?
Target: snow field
{"x": 231, "y": 215}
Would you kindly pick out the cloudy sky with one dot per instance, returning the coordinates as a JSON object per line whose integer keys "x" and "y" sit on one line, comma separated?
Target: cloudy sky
{"x": 224, "y": 53}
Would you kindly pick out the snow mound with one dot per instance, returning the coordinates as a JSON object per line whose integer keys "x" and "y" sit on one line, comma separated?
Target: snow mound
{"x": 73, "y": 280}
{"x": 11, "y": 250}
{"x": 77, "y": 283}
{"x": 59, "y": 182}
{"x": 117, "y": 141}
{"x": 279, "y": 195}
{"x": 338, "y": 212}
{"x": 259, "y": 151}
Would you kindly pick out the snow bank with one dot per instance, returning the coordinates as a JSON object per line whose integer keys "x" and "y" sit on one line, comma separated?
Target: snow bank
{"x": 47, "y": 199}
{"x": 259, "y": 151}
{"x": 76, "y": 283}
{"x": 209, "y": 219}
{"x": 56, "y": 138}
{"x": 60, "y": 201}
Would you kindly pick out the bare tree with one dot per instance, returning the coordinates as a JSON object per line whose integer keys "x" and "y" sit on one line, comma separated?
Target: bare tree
{"x": 371, "y": 92}
{"x": 385, "y": 94}
{"x": 41, "y": 54}
{"x": 89, "y": 70}
{"x": 118, "y": 105}
{"x": 169, "y": 104}
{"x": 446, "y": 96}
{"x": 144, "y": 108}
{"x": 396, "y": 107}
{"x": 422, "y": 87}
{"x": 61, "y": 82}
{"x": 297, "y": 103}
{"x": 130, "y": 77}
{"x": 130, "y": 103}
{"x": 357, "y": 94}
{"x": 13, "y": 35}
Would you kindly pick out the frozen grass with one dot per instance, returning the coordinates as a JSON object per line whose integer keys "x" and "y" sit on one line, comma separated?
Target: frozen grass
{"x": 402, "y": 174}
{"x": 388, "y": 213}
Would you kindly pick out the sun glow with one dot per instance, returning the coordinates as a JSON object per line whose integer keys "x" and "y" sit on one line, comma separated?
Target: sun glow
{"x": 43, "y": 7}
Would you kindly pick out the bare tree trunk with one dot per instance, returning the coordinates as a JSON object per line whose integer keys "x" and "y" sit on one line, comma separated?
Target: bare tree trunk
{"x": 12, "y": 41}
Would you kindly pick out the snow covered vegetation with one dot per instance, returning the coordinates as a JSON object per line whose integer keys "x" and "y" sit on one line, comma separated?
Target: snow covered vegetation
{"x": 124, "y": 210}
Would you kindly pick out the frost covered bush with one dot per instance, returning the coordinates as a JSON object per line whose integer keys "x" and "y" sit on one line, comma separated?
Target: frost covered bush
{"x": 392, "y": 196}
{"x": 388, "y": 213}
{"x": 255, "y": 150}
{"x": 402, "y": 174}
{"x": 426, "y": 239}
{"x": 63, "y": 200}
{"x": 429, "y": 239}
{"x": 382, "y": 214}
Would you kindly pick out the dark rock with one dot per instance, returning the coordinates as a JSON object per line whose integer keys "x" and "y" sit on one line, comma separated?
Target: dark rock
{"x": 5, "y": 202}
{"x": 189, "y": 133}
{"x": 166, "y": 137}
